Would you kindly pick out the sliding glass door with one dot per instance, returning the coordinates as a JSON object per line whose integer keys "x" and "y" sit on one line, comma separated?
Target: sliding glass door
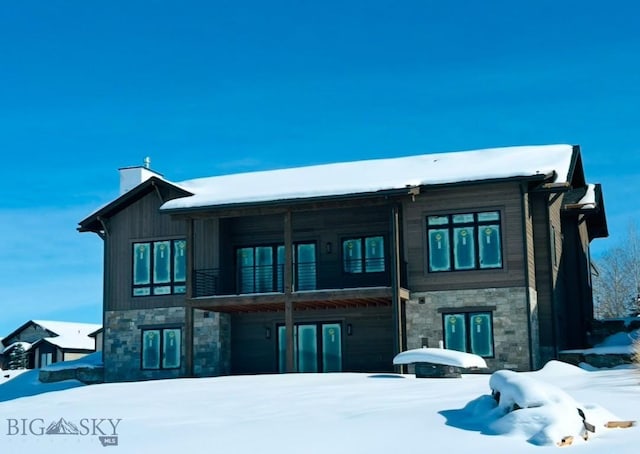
{"x": 260, "y": 269}
{"x": 317, "y": 347}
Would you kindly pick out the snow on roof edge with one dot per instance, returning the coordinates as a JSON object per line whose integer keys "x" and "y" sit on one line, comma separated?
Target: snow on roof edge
{"x": 370, "y": 176}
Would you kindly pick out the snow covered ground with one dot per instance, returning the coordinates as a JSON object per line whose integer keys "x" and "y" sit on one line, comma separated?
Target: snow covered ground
{"x": 320, "y": 413}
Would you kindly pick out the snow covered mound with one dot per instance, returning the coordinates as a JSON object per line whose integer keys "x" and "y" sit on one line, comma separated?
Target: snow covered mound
{"x": 440, "y": 356}
{"x": 514, "y": 390}
{"x": 542, "y": 412}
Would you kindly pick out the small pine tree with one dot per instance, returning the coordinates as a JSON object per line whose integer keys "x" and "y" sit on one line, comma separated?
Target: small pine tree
{"x": 18, "y": 358}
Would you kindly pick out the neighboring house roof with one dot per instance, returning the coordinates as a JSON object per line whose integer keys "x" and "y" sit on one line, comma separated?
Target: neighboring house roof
{"x": 69, "y": 342}
{"x": 26, "y": 345}
{"x": 57, "y": 328}
{"x": 371, "y": 176}
{"x": 69, "y": 329}
{"x": 95, "y": 333}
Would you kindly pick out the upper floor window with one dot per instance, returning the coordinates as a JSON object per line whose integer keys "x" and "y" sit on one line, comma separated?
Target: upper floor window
{"x": 260, "y": 269}
{"x": 364, "y": 254}
{"x": 464, "y": 241}
{"x": 159, "y": 267}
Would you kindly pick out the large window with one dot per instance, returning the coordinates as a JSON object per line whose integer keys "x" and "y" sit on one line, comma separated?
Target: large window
{"x": 161, "y": 348}
{"x": 159, "y": 267}
{"x": 464, "y": 241}
{"x": 261, "y": 268}
{"x": 470, "y": 332}
{"x": 363, "y": 255}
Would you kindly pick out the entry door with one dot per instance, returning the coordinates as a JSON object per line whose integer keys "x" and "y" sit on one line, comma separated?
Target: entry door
{"x": 317, "y": 347}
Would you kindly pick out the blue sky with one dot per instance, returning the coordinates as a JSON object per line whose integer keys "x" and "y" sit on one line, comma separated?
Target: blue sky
{"x": 216, "y": 87}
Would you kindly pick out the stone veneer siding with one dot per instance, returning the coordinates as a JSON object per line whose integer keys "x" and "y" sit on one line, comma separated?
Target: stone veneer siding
{"x": 510, "y": 323}
{"x": 211, "y": 343}
{"x": 123, "y": 337}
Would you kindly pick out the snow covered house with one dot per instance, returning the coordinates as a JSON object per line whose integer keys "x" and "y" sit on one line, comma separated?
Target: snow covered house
{"x": 339, "y": 267}
{"x": 46, "y": 342}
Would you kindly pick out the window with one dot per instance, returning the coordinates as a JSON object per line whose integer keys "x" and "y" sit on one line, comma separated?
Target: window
{"x": 161, "y": 348}
{"x": 159, "y": 267}
{"x": 363, "y": 255}
{"x": 469, "y": 332}
{"x": 45, "y": 359}
{"x": 261, "y": 268}
{"x": 464, "y": 241}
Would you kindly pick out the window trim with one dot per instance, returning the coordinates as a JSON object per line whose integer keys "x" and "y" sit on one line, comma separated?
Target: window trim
{"x": 466, "y": 313}
{"x": 450, "y": 226}
{"x": 172, "y": 283}
{"x": 161, "y": 329}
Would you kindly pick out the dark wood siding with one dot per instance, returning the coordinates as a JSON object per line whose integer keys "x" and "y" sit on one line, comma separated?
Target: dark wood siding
{"x": 573, "y": 284}
{"x": 140, "y": 221}
{"x": 217, "y": 239}
{"x": 368, "y": 349}
{"x": 543, "y": 270}
{"x": 504, "y": 197}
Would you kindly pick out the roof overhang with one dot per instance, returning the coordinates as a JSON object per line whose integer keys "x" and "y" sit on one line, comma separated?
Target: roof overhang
{"x": 593, "y": 211}
{"x": 395, "y": 193}
{"x": 94, "y": 222}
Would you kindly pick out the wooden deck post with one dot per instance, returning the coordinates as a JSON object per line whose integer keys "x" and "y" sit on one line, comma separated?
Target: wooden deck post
{"x": 188, "y": 315}
{"x": 288, "y": 283}
{"x": 396, "y": 303}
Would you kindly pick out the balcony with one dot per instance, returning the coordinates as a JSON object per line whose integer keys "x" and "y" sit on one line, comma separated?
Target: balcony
{"x": 307, "y": 277}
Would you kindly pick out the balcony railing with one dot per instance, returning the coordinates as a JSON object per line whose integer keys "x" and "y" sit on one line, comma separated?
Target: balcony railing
{"x": 307, "y": 276}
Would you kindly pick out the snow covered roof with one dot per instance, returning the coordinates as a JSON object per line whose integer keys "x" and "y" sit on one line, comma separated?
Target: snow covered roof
{"x": 25, "y": 345}
{"x": 78, "y": 342}
{"x": 360, "y": 177}
{"x": 68, "y": 328}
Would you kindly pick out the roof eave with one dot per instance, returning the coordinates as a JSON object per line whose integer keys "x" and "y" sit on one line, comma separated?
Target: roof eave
{"x": 93, "y": 222}
{"x": 385, "y": 193}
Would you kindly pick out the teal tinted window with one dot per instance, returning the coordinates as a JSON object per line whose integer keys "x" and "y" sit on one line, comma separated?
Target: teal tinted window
{"x": 481, "y": 335}
{"x": 151, "y": 349}
{"x": 158, "y": 264}
{"x": 352, "y": 255}
{"x": 439, "y": 253}
{"x": 365, "y": 254}
{"x": 455, "y": 332}
{"x": 438, "y": 220}
{"x": 464, "y": 248}
{"x": 244, "y": 258}
{"x": 462, "y": 218}
{"x": 331, "y": 347}
{"x": 490, "y": 247}
{"x": 305, "y": 275}
{"x": 161, "y": 348}
{"x": 171, "y": 349}
{"x": 264, "y": 269}
{"x": 161, "y": 262}
{"x": 307, "y": 348}
{"x": 260, "y": 269}
{"x": 469, "y": 332}
{"x": 374, "y": 254}
{"x": 461, "y": 242}
{"x": 180, "y": 261}
{"x": 141, "y": 263}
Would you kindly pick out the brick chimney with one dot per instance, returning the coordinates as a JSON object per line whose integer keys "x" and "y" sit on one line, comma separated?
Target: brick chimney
{"x": 130, "y": 177}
